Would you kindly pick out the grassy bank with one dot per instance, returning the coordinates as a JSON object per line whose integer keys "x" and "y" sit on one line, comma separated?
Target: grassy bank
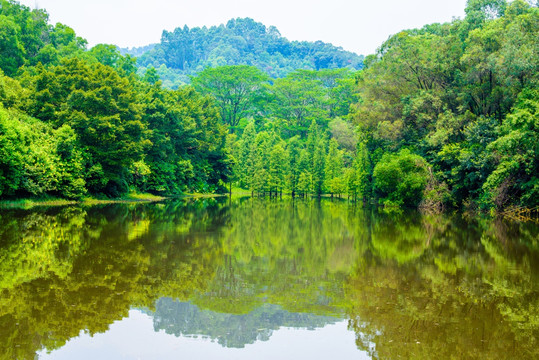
{"x": 34, "y": 202}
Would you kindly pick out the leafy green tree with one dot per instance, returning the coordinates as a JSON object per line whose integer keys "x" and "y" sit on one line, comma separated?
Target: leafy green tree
{"x": 260, "y": 176}
{"x": 466, "y": 165}
{"x": 294, "y": 149}
{"x": 101, "y": 107}
{"x": 278, "y": 169}
{"x": 110, "y": 55}
{"x": 515, "y": 178}
{"x": 318, "y": 167}
{"x": 234, "y": 88}
{"x": 64, "y": 42}
{"x": 477, "y": 11}
{"x": 12, "y": 94}
{"x": 344, "y": 133}
{"x": 71, "y": 183}
{"x": 106, "y": 54}
{"x": 151, "y": 76}
{"x": 305, "y": 183}
{"x": 247, "y": 154}
{"x": 37, "y": 160}
{"x": 11, "y": 50}
{"x": 357, "y": 176}
{"x": 259, "y": 179}
{"x": 299, "y": 102}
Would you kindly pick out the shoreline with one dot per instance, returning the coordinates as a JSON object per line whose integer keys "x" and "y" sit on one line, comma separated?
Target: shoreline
{"x": 28, "y": 203}
{"x": 515, "y": 214}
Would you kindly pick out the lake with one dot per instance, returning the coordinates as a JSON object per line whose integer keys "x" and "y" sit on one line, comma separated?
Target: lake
{"x": 265, "y": 279}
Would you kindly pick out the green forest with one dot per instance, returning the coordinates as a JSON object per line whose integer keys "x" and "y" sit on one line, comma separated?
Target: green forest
{"x": 186, "y": 52}
{"x": 445, "y": 116}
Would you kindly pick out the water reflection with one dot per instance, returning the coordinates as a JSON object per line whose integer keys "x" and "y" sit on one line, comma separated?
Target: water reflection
{"x": 411, "y": 286}
{"x": 230, "y": 330}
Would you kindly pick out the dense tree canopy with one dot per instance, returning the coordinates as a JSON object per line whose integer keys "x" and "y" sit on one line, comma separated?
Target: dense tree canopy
{"x": 241, "y": 41}
{"x": 442, "y": 116}
{"x": 76, "y": 122}
{"x": 449, "y": 92}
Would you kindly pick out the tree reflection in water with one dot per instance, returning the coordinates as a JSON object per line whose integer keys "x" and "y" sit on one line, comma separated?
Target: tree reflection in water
{"x": 411, "y": 285}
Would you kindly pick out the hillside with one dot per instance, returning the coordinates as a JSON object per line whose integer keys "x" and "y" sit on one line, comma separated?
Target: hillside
{"x": 185, "y": 51}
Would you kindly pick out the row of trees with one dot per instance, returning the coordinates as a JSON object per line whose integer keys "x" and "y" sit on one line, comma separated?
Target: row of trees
{"x": 265, "y": 163}
{"x": 292, "y": 134}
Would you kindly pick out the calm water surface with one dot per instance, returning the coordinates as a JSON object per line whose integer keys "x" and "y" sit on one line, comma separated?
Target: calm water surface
{"x": 255, "y": 279}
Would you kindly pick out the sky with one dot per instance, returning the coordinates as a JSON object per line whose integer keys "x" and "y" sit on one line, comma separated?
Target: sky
{"x": 356, "y": 25}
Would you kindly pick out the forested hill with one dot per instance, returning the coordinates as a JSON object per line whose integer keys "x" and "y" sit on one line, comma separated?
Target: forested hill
{"x": 241, "y": 41}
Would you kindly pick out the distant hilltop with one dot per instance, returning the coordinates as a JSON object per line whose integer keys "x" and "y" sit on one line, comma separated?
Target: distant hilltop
{"x": 241, "y": 41}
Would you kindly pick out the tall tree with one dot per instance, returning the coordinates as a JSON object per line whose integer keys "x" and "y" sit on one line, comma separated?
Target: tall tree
{"x": 234, "y": 88}
{"x": 333, "y": 171}
{"x": 278, "y": 168}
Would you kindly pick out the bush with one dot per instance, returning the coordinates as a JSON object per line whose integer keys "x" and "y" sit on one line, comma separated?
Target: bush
{"x": 400, "y": 178}
{"x": 36, "y": 160}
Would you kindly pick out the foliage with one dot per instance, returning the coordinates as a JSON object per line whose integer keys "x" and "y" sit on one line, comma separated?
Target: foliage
{"x": 452, "y": 93}
{"x": 37, "y": 160}
{"x": 26, "y": 38}
{"x": 515, "y": 178}
{"x": 401, "y": 178}
{"x": 100, "y": 106}
{"x": 460, "y": 97}
{"x": 235, "y": 89}
{"x": 201, "y": 267}
{"x": 241, "y": 41}
{"x": 77, "y": 122}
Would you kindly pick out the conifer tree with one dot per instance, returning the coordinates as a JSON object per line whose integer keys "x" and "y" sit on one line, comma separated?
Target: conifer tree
{"x": 318, "y": 165}
{"x": 246, "y": 155}
{"x": 277, "y": 169}
{"x": 334, "y": 169}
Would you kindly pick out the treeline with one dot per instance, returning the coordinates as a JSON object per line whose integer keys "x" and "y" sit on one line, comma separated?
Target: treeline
{"x": 76, "y": 122}
{"x": 242, "y": 41}
{"x": 443, "y": 116}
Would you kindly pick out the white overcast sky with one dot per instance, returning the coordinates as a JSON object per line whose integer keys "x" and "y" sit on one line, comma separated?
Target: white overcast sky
{"x": 356, "y": 25}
